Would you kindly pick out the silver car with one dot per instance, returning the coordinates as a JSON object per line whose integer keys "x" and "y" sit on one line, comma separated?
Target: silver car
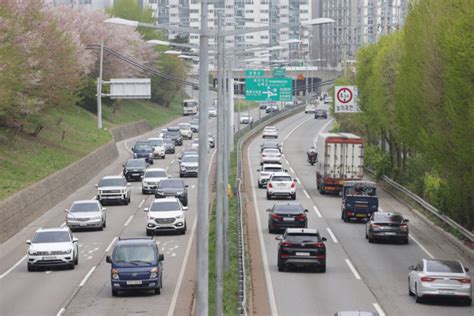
{"x": 86, "y": 214}
{"x": 437, "y": 277}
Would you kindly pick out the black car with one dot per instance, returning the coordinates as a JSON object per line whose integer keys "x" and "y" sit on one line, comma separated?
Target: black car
{"x": 387, "y": 226}
{"x": 301, "y": 247}
{"x": 175, "y": 134}
{"x": 134, "y": 169}
{"x": 170, "y": 147}
{"x": 320, "y": 113}
{"x": 263, "y": 106}
{"x": 272, "y": 108}
{"x": 286, "y": 215}
{"x": 143, "y": 149}
{"x": 265, "y": 145}
{"x": 173, "y": 187}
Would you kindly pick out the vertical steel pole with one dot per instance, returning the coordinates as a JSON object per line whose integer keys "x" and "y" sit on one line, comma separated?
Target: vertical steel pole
{"x": 202, "y": 249}
{"x": 99, "y": 85}
{"x": 226, "y": 158}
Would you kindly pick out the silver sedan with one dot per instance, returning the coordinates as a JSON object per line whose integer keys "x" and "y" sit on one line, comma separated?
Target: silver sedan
{"x": 86, "y": 214}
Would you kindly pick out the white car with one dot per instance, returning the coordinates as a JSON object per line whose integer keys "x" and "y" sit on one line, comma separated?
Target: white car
{"x": 245, "y": 119}
{"x": 310, "y": 108}
{"x": 151, "y": 179}
{"x": 439, "y": 277}
{"x": 195, "y": 143}
{"x": 166, "y": 214}
{"x": 52, "y": 247}
{"x": 212, "y": 112}
{"x": 113, "y": 189}
{"x": 270, "y": 155}
{"x": 159, "y": 150}
{"x": 86, "y": 214}
{"x": 266, "y": 172}
{"x": 281, "y": 184}
{"x": 270, "y": 132}
{"x": 185, "y": 130}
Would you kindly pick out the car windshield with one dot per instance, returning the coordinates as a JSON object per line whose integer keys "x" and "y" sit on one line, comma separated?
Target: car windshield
{"x": 386, "y": 217}
{"x": 173, "y": 133}
{"x": 444, "y": 266}
{"x": 300, "y": 238}
{"x": 184, "y": 126}
{"x": 288, "y": 209}
{"x": 190, "y": 159}
{"x": 112, "y": 183}
{"x": 84, "y": 207}
{"x": 178, "y": 184}
{"x": 271, "y": 151}
{"x": 156, "y": 142}
{"x": 136, "y": 163}
{"x": 360, "y": 190}
{"x": 165, "y": 206}
{"x": 168, "y": 141}
{"x": 272, "y": 169}
{"x": 142, "y": 146}
{"x": 135, "y": 254}
{"x": 281, "y": 178}
{"x": 155, "y": 174}
{"x": 189, "y": 104}
{"x": 51, "y": 237}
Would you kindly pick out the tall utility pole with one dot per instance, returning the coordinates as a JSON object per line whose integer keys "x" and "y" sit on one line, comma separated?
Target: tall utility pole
{"x": 202, "y": 253}
{"x": 226, "y": 133}
{"x": 99, "y": 85}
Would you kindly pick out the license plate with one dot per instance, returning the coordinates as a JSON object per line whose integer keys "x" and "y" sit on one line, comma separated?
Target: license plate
{"x": 134, "y": 282}
{"x": 302, "y": 253}
{"x": 281, "y": 185}
{"x": 288, "y": 219}
{"x": 135, "y": 174}
{"x": 361, "y": 215}
{"x": 446, "y": 292}
{"x": 389, "y": 233}
{"x": 49, "y": 258}
{"x": 82, "y": 224}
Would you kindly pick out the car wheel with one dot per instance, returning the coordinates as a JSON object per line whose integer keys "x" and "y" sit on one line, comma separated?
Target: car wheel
{"x": 468, "y": 301}
{"x": 105, "y": 224}
{"x": 183, "y": 231}
{"x": 151, "y": 162}
{"x": 185, "y": 202}
{"x": 293, "y": 196}
{"x": 149, "y": 232}
{"x": 129, "y": 199}
{"x": 271, "y": 230}
{"x": 143, "y": 191}
{"x": 72, "y": 266}
{"x": 405, "y": 241}
{"x": 370, "y": 239}
{"x": 366, "y": 236}
{"x": 344, "y": 217}
{"x": 322, "y": 192}
{"x": 76, "y": 261}
{"x": 281, "y": 266}
{"x": 30, "y": 267}
{"x": 269, "y": 196}
{"x": 322, "y": 268}
{"x": 410, "y": 293}
{"x": 158, "y": 290}
{"x": 181, "y": 175}
{"x": 260, "y": 186}
{"x": 115, "y": 292}
{"x": 101, "y": 228}
{"x": 418, "y": 298}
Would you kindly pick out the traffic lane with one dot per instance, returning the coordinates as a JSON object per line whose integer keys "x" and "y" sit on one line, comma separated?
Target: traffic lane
{"x": 384, "y": 267}
{"x": 298, "y": 292}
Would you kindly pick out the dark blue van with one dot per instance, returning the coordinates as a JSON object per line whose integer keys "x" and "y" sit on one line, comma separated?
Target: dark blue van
{"x": 359, "y": 200}
{"x": 136, "y": 265}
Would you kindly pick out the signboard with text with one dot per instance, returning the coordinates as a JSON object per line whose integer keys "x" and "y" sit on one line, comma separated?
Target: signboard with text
{"x": 268, "y": 89}
{"x": 254, "y": 73}
{"x": 345, "y": 99}
{"x": 279, "y": 72}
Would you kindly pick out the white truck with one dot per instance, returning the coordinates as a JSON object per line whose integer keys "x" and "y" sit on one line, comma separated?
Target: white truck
{"x": 340, "y": 158}
{"x": 190, "y": 107}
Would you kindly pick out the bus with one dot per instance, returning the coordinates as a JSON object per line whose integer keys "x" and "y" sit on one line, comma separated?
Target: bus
{"x": 190, "y": 107}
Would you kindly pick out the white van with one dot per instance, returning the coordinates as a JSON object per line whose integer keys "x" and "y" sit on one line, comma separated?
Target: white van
{"x": 190, "y": 107}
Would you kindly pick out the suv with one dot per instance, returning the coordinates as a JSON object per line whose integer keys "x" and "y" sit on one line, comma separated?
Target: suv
{"x": 166, "y": 215}
{"x": 152, "y": 179}
{"x": 86, "y": 214}
{"x": 52, "y": 247}
{"x": 320, "y": 113}
{"x": 286, "y": 215}
{"x": 173, "y": 187}
{"x": 159, "y": 150}
{"x": 282, "y": 185}
{"x": 189, "y": 166}
{"x": 170, "y": 147}
{"x": 301, "y": 247}
{"x": 185, "y": 129}
{"x": 136, "y": 265}
{"x": 175, "y": 134}
{"x": 113, "y": 189}
{"x": 270, "y": 131}
{"x": 309, "y": 108}
{"x": 143, "y": 149}
{"x": 134, "y": 169}
{"x": 266, "y": 171}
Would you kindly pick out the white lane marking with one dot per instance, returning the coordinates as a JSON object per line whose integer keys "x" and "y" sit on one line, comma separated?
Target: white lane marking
{"x": 61, "y": 311}
{"x": 353, "y": 269}
{"x": 63, "y": 224}
{"x": 93, "y": 197}
{"x": 421, "y": 246}
{"x": 48, "y": 272}
{"x": 172, "y": 161}
{"x": 179, "y": 283}
{"x": 110, "y": 245}
{"x": 296, "y": 127}
{"x": 317, "y": 211}
{"x": 315, "y": 140}
{"x": 378, "y": 309}
{"x": 87, "y": 277}
{"x": 126, "y": 147}
{"x": 268, "y": 279}
{"x": 128, "y": 220}
{"x": 167, "y": 168}
{"x": 291, "y": 169}
{"x": 193, "y": 186}
{"x": 333, "y": 237}
{"x": 13, "y": 267}
{"x": 141, "y": 203}
{"x": 306, "y": 193}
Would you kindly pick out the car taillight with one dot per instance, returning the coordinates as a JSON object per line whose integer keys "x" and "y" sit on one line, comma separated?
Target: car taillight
{"x": 269, "y": 185}
{"x": 374, "y": 225}
{"x": 428, "y": 279}
{"x": 321, "y": 257}
{"x": 350, "y": 214}
{"x": 462, "y": 280}
{"x": 285, "y": 244}
{"x": 277, "y": 217}
{"x": 403, "y": 226}
{"x": 284, "y": 255}
{"x": 319, "y": 245}
{"x": 300, "y": 217}
{"x": 293, "y": 184}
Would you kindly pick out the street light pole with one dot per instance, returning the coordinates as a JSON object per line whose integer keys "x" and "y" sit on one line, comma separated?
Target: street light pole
{"x": 99, "y": 85}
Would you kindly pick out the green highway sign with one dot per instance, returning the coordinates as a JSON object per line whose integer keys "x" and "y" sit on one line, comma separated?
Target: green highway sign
{"x": 279, "y": 72}
{"x": 268, "y": 89}
{"x": 254, "y": 73}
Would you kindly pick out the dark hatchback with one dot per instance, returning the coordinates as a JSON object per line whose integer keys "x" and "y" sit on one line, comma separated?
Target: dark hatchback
{"x": 320, "y": 113}
{"x": 286, "y": 215}
{"x": 136, "y": 265}
{"x": 134, "y": 169}
{"x": 170, "y": 147}
{"x": 173, "y": 187}
{"x": 387, "y": 226}
{"x": 175, "y": 134}
{"x": 301, "y": 247}
{"x": 143, "y": 149}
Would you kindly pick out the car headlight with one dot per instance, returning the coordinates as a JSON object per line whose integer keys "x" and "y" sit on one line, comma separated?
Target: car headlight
{"x": 181, "y": 216}
{"x": 150, "y": 155}
{"x": 135, "y": 155}
{"x": 97, "y": 217}
{"x": 180, "y": 193}
{"x": 183, "y": 168}
{"x": 70, "y": 217}
{"x": 32, "y": 252}
{"x": 154, "y": 272}
{"x": 66, "y": 252}
{"x": 115, "y": 274}
{"x": 151, "y": 218}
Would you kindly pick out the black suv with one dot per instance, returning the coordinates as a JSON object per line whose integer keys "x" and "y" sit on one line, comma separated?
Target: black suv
{"x": 320, "y": 113}
{"x": 173, "y": 187}
{"x": 137, "y": 264}
{"x": 286, "y": 215}
{"x": 143, "y": 149}
{"x": 175, "y": 134}
{"x": 387, "y": 226}
{"x": 169, "y": 145}
{"x": 301, "y": 247}
{"x": 134, "y": 169}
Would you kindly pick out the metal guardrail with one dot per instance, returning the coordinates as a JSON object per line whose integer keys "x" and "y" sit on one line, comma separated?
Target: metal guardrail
{"x": 427, "y": 206}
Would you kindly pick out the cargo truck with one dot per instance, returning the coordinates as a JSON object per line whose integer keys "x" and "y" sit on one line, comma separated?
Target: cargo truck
{"x": 359, "y": 200}
{"x": 340, "y": 158}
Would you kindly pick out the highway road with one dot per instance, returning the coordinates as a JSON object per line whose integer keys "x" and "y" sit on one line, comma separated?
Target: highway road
{"x": 360, "y": 276}
{"x": 86, "y": 290}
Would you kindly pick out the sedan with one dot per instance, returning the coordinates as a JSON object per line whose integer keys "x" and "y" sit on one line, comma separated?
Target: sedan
{"x": 245, "y": 119}
{"x": 281, "y": 184}
{"x": 272, "y": 108}
{"x": 270, "y": 132}
{"x": 270, "y": 155}
{"x": 86, "y": 214}
{"x": 301, "y": 247}
{"x": 440, "y": 278}
{"x": 212, "y": 112}
{"x": 320, "y": 113}
{"x": 286, "y": 215}
{"x": 173, "y": 187}
{"x": 387, "y": 226}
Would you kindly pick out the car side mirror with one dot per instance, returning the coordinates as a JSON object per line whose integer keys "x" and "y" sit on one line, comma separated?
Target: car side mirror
{"x": 279, "y": 237}
{"x": 412, "y": 268}
{"x": 96, "y": 185}
{"x": 185, "y": 208}
{"x": 269, "y": 210}
{"x": 66, "y": 210}
{"x": 466, "y": 269}
{"x": 286, "y": 170}
{"x": 169, "y": 177}
{"x": 324, "y": 239}
{"x": 161, "y": 257}
{"x": 146, "y": 209}
{"x": 108, "y": 259}
{"x": 406, "y": 220}
{"x": 186, "y": 186}
{"x": 28, "y": 242}
{"x": 74, "y": 239}
{"x": 306, "y": 211}
{"x": 123, "y": 165}
{"x": 141, "y": 177}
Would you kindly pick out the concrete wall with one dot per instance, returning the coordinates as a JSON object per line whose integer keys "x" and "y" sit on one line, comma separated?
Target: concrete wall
{"x": 20, "y": 209}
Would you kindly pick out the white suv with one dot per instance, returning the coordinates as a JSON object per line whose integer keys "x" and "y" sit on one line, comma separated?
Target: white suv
{"x": 159, "y": 150}
{"x": 113, "y": 189}
{"x": 266, "y": 171}
{"x": 166, "y": 215}
{"x": 185, "y": 130}
{"x": 270, "y": 131}
{"x": 52, "y": 247}
{"x": 281, "y": 184}
{"x": 270, "y": 155}
{"x": 151, "y": 179}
